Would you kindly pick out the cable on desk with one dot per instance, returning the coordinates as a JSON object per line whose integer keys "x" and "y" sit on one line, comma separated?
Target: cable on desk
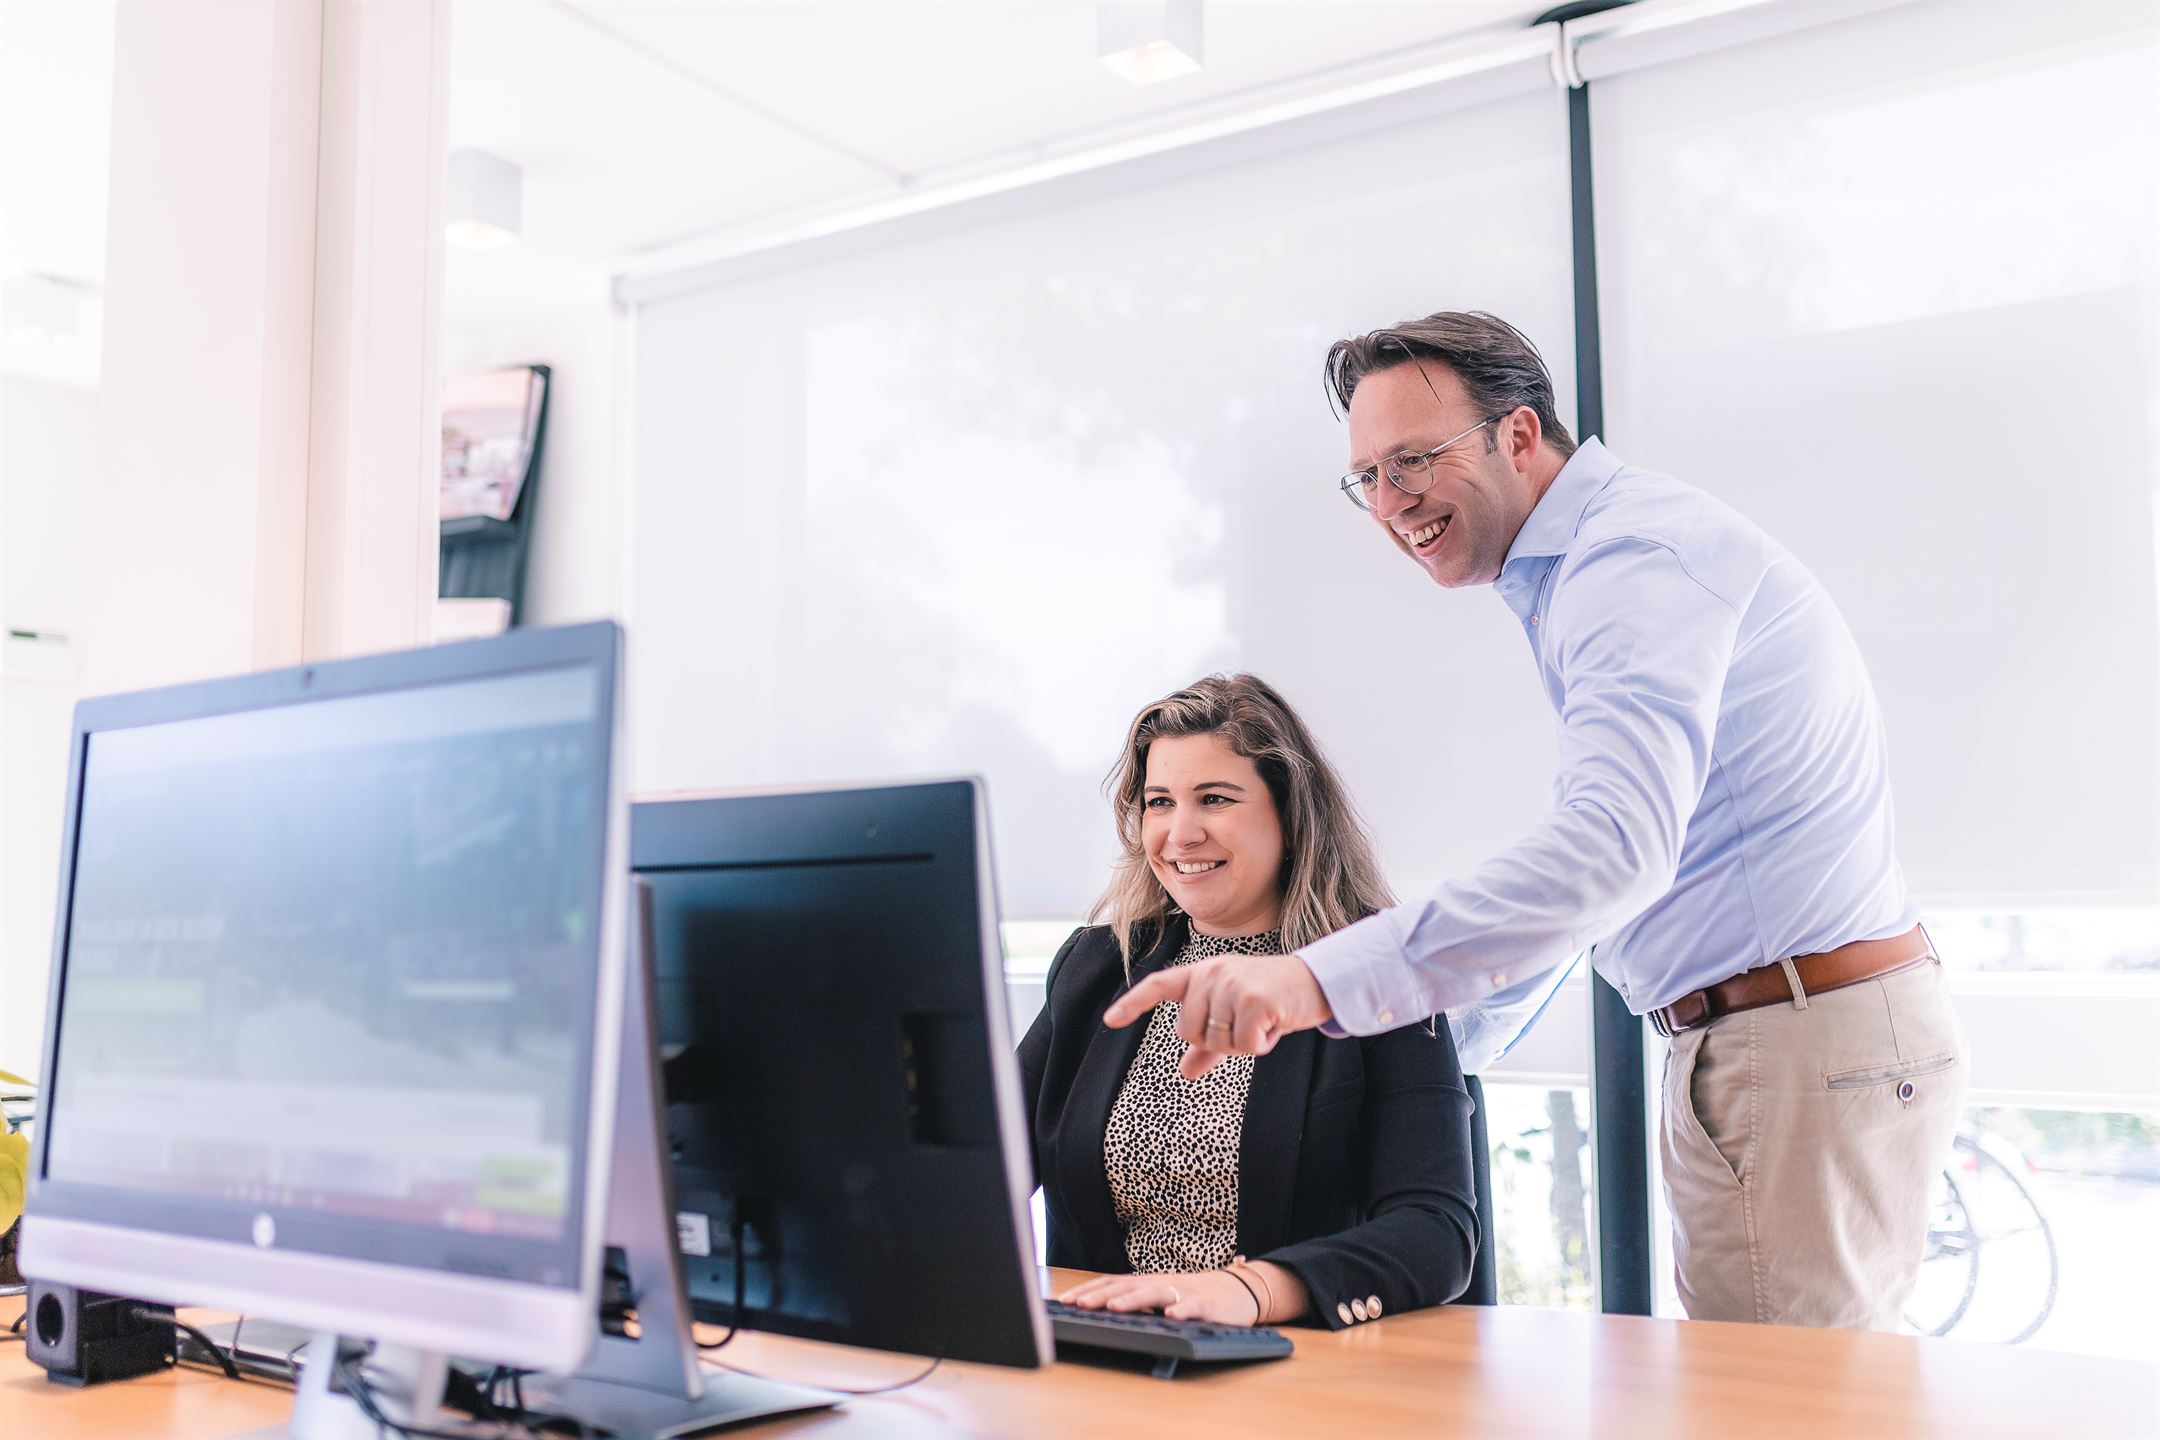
{"x": 490, "y": 1423}
{"x": 150, "y": 1315}
{"x": 915, "y": 1379}
{"x": 363, "y": 1395}
{"x": 735, "y": 1238}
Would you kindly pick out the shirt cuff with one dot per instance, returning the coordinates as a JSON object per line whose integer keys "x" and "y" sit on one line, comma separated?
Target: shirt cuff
{"x": 1487, "y": 1029}
{"x": 1367, "y": 980}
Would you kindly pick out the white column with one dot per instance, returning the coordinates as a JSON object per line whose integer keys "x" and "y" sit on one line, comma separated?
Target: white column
{"x": 375, "y": 460}
{"x": 269, "y": 423}
{"x": 266, "y": 488}
{"x": 193, "y": 534}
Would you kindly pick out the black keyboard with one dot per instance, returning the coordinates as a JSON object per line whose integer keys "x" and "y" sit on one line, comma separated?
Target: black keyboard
{"x": 1169, "y": 1341}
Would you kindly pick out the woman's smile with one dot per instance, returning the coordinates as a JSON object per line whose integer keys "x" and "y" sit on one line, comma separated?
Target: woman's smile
{"x": 1211, "y": 835}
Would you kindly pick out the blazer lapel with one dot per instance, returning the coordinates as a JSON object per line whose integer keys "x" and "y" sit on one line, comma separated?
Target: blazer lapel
{"x": 1273, "y": 1136}
{"x": 1095, "y": 1090}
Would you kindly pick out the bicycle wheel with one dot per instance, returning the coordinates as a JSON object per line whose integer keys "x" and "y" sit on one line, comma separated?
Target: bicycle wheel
{"x": 1949, "y": 1266}
{"x": 2015, "y": 1212}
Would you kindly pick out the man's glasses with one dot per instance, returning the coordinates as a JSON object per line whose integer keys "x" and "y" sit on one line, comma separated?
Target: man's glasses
{"x": 1410, "y": 472}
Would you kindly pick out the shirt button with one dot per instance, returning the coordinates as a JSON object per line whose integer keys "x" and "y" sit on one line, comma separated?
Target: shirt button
{"x": 1357, "y": 1308}
{"x": 1387, "y": 1017}
{"x": 1344, "y": 1312}
{"x": 1533, "y": 619}
{"x": 1499, "y": 978}
{"x": 1372, "y": 1306}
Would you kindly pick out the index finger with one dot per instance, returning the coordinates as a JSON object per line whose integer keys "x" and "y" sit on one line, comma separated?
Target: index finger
{"x": 1145, "y": 996}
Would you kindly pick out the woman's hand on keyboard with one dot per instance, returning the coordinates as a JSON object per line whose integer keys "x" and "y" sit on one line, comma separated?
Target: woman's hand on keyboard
{"x": 1211, "y": 1295}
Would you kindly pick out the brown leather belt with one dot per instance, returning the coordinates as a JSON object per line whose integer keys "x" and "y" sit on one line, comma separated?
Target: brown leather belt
{"x": 1831, "y": 970}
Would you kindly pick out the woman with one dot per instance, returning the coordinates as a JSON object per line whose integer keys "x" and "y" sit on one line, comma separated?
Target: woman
{"x": 1329, "y": 1178}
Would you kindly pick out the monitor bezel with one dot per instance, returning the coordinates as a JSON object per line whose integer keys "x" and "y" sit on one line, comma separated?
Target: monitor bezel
{"x": 512, "y": 1321}
{"x": 684, "y": 830}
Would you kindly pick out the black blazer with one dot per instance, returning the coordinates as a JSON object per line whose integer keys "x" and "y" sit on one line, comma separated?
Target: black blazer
{"x": 1354, "y": 1167}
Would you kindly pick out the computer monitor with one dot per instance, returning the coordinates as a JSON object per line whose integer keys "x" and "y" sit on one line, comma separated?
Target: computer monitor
{"x": 843, "y": 1106}
{"x": 337, "y": 977}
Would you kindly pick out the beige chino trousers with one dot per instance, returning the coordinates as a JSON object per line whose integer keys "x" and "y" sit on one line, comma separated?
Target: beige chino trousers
{"x": 1801, "y": 1144}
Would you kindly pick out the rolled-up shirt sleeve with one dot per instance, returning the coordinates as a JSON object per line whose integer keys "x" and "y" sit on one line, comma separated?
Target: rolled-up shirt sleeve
{"x": 1641, "y": 649}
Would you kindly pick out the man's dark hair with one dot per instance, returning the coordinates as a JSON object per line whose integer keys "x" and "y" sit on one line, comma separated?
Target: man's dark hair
{"x": 1496, "y": 363}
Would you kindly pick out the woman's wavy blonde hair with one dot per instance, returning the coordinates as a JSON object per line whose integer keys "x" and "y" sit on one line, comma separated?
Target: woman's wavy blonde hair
{"x": 1329, "y": 878}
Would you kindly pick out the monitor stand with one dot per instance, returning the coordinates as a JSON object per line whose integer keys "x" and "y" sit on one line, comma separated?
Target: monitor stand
{"x": 651, "y": 1386}
{"x": 405, "y": 1386}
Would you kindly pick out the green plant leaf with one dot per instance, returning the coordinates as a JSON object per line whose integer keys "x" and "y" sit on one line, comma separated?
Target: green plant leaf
{"x": 14, "y": 1172}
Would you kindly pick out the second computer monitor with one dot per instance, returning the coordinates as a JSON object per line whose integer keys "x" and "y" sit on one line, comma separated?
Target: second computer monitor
{"x": 842, "y": 1104}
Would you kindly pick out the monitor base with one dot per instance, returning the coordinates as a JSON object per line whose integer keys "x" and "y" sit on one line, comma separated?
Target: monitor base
{"x": 635, "y": 1413}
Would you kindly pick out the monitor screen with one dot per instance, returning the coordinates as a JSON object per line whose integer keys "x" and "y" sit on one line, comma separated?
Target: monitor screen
{"x": 328, "y": 968}
{"x": 841, "y": 1097}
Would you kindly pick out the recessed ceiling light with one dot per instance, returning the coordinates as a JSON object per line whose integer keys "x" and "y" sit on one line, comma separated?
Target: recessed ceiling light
{"x": 485, "y": 200}
{"x": 1148, "y": 40}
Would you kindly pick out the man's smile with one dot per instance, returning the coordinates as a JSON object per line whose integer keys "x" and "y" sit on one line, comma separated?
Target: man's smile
{"x": 1425, "y": 540}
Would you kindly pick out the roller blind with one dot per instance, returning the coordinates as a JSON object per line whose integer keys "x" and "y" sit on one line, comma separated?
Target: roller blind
{"x": 1888, "y": 286}
{"x": 965, "y": 501}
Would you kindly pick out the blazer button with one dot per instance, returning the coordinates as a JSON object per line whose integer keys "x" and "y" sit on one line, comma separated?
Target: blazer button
{"x": 1372, "y": 1306}
{"x": 1357, "y": 1308}
{"x": 1344, "y": 1311}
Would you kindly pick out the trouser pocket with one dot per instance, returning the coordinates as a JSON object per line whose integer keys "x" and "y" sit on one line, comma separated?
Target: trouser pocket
{"x": 1860, "y": 1077}
{"x": 1685, "y": 1112}
{"x": 1908, "y": 1029}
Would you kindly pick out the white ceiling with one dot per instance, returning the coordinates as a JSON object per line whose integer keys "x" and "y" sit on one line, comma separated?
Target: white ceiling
{"x": 644, "y": 124}
{"x": 641, "y": 124}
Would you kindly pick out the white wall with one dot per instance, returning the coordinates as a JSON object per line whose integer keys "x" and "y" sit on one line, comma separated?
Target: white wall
{"x": 574, "y": 570}
{"x": 48, "y": 437}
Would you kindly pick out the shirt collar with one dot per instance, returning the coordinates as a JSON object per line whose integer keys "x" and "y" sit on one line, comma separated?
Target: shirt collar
{"x": 1555, "y": 519}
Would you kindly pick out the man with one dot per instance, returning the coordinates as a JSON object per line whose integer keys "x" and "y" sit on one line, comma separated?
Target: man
{"x": 1721, "y": 834}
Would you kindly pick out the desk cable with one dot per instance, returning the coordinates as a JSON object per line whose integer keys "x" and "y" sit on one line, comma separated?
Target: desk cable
{"x": 735, "y": 1238}
{"x": 735, "y": 1242}
{"x": 475, "y": 1396}
{"x": 348, "y": 1371}
{"x": 158, "y": 1315}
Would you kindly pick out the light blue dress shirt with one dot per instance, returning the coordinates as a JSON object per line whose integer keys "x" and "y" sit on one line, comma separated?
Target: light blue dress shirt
{"x": 1723, "y": 793}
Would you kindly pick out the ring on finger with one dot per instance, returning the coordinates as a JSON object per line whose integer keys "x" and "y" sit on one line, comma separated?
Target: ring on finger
{"x": 1214, "y": 1024}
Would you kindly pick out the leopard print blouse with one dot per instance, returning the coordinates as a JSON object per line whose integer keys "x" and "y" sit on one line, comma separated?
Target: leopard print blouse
{"x": 1171, "y": 1147}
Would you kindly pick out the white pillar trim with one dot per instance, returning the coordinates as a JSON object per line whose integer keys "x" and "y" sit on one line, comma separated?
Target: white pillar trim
{"x": 375, "y": 457}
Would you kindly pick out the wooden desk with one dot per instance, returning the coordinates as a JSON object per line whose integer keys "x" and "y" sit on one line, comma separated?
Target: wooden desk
{"x": 1468, "y": 1371}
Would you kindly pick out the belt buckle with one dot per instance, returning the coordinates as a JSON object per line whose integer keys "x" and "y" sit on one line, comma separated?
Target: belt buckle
{"x": 1685, "y": 1013}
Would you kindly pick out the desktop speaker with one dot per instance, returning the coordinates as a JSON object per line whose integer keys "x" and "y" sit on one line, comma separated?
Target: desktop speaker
{"x": 83, "y": 1337}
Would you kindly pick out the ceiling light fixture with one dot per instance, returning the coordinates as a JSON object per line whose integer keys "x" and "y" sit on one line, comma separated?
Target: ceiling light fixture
{"x": 1148, "y": 40}
{"x": 485, "y": 200}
